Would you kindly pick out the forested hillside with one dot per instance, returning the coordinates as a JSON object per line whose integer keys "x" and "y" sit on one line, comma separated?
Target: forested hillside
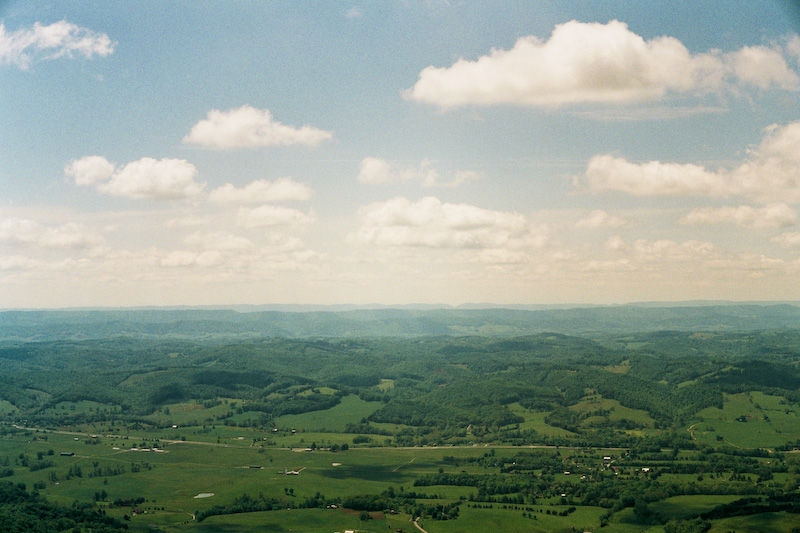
{"x": 431, "y": 385}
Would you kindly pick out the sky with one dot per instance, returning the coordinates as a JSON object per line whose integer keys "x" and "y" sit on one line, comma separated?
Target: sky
{"x": 398, "y": 152}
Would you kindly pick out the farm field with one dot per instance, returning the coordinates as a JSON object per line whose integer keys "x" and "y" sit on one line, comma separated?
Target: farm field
{"x": 351, "y": 410}
{"x": 186, "y": 479}
{"x": 769, "y": 420}
{"x": 535, "y": 420}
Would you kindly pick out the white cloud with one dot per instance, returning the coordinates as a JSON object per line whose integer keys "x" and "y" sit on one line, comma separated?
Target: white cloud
{"x": 788, "y": 239}
{"x": 751, "y": 265}
{"x": 208, "y": 259}
{"x": 164, "y": 179}
{"x": 60, "y": 39}
{"x": 771, "y": 172}
{"x": 377, "y": 171}
{"x": 770, "y": 216}
{"x": 271, "y": 215}
{"x": 458, "y": 177}
{"x": 89, "y": 170}
{"x": 606, "y": 172}
{"x": 248, "y": 127}
{"x": 615, "y": 244}
{"x": 19, "y": 231}
{"x": 433, "y": 224}
{"x": 374, "y": 170}
{"x": 792, "y": 46}
{"x": 19, "y": 263}
{"x": 763, "y": 67}
{"x": 667, "y": 250}
{"x": 601, "y": 219}
{"x": 261, "y": 191}
{"x": 150, "y": 178}
{"x": 593, "y": 62}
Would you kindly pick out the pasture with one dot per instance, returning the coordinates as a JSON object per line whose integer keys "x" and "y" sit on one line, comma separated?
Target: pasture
{"x": 749, "y": 420}
{"x": 351, "y": 410}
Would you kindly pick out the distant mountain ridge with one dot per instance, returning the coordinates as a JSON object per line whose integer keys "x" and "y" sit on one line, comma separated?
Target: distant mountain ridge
{"x": 228, "y": 323}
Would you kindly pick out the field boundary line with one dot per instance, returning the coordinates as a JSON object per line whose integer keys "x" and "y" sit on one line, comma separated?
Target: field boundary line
{"x": 398, "y": 467}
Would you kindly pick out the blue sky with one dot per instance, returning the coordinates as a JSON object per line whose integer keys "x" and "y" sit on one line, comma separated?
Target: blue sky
{"x": 396, "y": 152}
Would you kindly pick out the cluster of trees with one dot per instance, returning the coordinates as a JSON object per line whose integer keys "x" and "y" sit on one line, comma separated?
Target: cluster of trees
{"x": 755, "y": 505}
{"x": 107, "y": 470}
{"x": 248, "y": 504}
{"x": 23, "y": 512}
{"x": 295, "y": 403}
{"x": 244, "y": 504}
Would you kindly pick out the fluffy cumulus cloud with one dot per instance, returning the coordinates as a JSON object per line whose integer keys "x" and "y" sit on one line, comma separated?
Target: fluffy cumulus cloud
{"x": 593, "y": 62}
{"x": 261, "y": 191}
{"x": 601, "y": 219}
{"x": 770, "y": 216}
{"x": 163, "y": 179}
{"x": 272, "y": 215}
{"x": 769, "y": 173}
{"x": 433, "y": 224}
{"x": 89, "y": 170}
{"x": 606, "y": 172}
{"x": 60, "y": 39}
{"x": 772, "y": 170}
{"x": 25, "y": 232}
{"x": 377, "y": 171}
{"x": 763, "y": 67}
{"x": 248, "y": 127}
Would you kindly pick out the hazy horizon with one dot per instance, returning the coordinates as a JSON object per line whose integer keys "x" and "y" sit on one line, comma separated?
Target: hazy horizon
{"x": 371, "y": 153}
{"x": 465, "y": 306}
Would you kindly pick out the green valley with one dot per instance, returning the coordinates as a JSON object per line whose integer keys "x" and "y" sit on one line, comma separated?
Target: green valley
{"x": 651, "y": 431}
